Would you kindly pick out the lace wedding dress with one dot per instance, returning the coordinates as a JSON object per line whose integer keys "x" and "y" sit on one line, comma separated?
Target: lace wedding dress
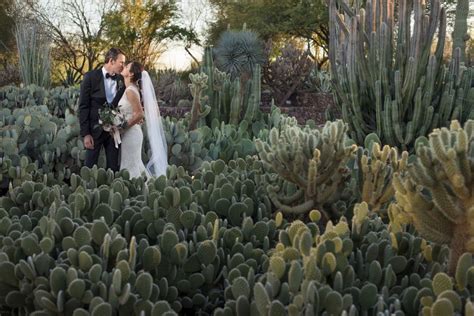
{"x": 132, "y": 141}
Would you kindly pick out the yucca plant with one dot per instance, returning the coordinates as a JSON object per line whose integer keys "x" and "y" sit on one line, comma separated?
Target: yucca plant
{"x": 34, "y": 54}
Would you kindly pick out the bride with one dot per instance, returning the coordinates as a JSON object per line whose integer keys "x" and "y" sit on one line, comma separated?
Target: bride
{"x": 139, "y": 90}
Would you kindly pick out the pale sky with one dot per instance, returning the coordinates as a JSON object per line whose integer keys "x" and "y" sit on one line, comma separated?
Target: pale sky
{"x": 177, "y": 58}
{"x": 195, "y": 14}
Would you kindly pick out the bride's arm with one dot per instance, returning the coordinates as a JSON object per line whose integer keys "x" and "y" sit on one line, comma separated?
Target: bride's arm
{"x": 134, "y": 100}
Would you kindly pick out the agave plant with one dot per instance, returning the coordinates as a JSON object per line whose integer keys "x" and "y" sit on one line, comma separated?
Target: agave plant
{"x": 238, "y": 52}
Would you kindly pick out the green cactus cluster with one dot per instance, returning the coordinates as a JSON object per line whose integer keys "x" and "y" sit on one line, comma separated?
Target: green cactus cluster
{"x": 228, "y": 142}
{"x": 436, "y": 191}
{"x": 210, "y": 242}
{"x": 230, "y": 100}
{"x": 296, "y": 230}
{"x": 126, "y": 245}
{"x": 388, "y": 70}
{"x": 185, "y": 148}
{"x": 373, "y": 173}
{"x": 58, "y": 99}
{"x": 352, "y": 268}
{"x": 50, "y": 142}
{"x": 314, "y": 161}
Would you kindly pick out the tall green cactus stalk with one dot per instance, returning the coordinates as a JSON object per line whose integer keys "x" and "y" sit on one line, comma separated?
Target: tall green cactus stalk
{"x": 460, "y": 35}
{"x": 253, "y": 102}
{"x": 230, "y": 100}
{"x": 387, "y": 78}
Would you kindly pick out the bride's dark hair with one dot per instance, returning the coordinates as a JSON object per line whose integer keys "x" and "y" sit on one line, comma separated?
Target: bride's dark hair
{"x": 136, "y": 69}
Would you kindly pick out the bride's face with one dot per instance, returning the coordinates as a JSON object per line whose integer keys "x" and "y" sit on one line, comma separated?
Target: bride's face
{"x": 126, "y": 71}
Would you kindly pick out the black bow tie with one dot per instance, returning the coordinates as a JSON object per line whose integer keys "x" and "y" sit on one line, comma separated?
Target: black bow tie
{"x": 113, "y": 77}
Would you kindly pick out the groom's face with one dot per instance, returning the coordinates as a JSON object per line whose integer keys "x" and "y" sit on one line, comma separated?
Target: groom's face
{"x": 118, "y": 64}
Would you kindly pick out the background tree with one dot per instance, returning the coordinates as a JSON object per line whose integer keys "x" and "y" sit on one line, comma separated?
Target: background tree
{"x": 8, "y": 73}
{"x": 141, "y": 28}
{"x": 77, "y": 31}
{"x": 277, "y": 20}
{"x": 195, "y": 16}
{"x": 7, "y": 25}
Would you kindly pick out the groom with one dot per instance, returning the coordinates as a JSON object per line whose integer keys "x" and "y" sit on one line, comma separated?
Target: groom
{"x": 101, "y": 86}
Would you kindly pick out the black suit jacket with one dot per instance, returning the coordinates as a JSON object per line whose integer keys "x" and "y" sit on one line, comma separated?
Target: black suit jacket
{"x": 92, "y": 98}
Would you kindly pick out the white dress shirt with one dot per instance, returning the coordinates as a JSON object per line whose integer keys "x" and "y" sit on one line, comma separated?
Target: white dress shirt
{"x": 110, "y": 87}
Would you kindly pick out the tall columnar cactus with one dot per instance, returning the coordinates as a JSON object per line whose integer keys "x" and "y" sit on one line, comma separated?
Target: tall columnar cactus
{"x": 314, "y": 160}
{"x": 460, "y": 35}
{"x": 436, "y": 193}
{"x": 231, "y": 99}
{"x": 387, "y": 78}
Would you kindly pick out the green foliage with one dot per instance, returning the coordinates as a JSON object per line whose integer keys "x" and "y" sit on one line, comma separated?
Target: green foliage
{"x": 231, "y": 100}
{"x": 7, "y": 25}
{"x": 58, "y": 99}
{"x": 276, "y": 20}
{"x": 171, "y": 87}
{"x": 374, "y": 173}
{"x": 95, "y": 262}
{"x": 139, "y": 27}
{"x": 51, "y": 143}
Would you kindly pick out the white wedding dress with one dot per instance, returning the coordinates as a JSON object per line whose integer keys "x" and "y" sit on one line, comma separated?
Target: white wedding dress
{"x": 132, "y": 141}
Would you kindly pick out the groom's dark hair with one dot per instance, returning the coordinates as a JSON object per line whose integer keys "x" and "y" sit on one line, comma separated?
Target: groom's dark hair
{"x": 112, "y": 54}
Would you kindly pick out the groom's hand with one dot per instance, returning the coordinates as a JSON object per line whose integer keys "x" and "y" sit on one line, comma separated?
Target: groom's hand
{"x": 88, "y": 142}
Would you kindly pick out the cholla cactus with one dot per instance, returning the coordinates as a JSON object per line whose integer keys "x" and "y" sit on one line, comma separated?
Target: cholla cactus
{"x": 436, "y": 193}
{"x": 314, "y": 160}
{"x": 375, "y": 173}
{"x": 198, "y": 85}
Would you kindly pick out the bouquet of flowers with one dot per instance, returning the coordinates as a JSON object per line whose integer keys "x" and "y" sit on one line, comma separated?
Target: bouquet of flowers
{"x": 111, "y": 119}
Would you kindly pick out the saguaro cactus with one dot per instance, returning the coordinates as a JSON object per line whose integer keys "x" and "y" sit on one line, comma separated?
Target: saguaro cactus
{"x": 436, "y": 193}
{"x": 386, "y": 77}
